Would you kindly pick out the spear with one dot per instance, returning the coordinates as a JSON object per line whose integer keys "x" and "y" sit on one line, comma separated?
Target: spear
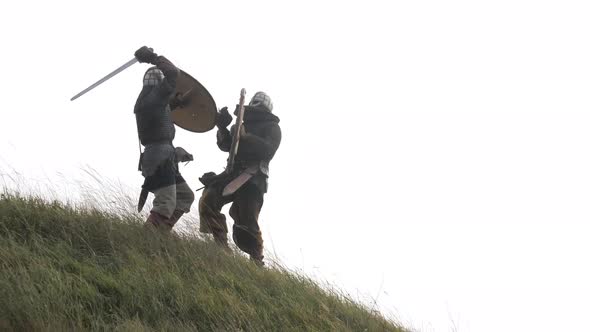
{"x": 236, "y": 139}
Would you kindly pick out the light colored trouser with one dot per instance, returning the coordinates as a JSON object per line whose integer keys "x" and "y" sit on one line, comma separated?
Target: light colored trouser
{"x": 174, "y": 197}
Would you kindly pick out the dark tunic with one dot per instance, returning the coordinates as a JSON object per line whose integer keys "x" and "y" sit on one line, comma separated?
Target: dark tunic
{"x": 258, "y": 147}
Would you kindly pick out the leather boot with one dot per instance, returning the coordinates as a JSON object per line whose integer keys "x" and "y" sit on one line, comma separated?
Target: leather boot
{"x": 257, "y": 259}
{"x": 157, "y": 221}
{"x": 176, "y": 215}
{"x": 248, "y": 241}
{"x": 221, "y": 240}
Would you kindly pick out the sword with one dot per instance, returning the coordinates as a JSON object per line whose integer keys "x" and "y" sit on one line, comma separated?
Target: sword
{"x": 102, "y": 80}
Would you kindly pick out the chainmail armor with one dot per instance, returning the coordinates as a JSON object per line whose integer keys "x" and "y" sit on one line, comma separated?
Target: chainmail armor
{"x": 152, "y": 110}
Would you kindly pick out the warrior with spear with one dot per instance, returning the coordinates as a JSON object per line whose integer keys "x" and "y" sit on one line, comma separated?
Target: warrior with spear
{"x": 252, "y": 143}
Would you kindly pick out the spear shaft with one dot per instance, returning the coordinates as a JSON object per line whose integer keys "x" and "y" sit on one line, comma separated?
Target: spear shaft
{"x": 236, "y": 138}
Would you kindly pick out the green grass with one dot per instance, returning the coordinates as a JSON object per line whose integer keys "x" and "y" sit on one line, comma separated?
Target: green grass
{"x": 65, "y": 268}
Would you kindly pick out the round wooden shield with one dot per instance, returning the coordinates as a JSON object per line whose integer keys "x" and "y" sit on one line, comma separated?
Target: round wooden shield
{"x": 199, "y": 114}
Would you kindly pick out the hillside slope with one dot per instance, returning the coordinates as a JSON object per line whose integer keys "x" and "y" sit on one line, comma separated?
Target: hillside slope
{"x": 80, "y": 269}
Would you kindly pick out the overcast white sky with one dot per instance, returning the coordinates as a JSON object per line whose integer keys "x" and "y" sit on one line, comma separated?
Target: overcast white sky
{"x": 434, "y": 154}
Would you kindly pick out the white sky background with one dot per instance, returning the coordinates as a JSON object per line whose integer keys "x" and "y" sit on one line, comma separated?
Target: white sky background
{"x": 434, "y": 154}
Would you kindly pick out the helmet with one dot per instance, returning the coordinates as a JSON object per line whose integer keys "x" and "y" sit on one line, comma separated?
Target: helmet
{"x": 261, "y": 99}
{"x": 153, "y": 77}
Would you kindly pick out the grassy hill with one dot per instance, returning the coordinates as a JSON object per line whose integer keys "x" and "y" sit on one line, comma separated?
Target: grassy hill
{"x": 64, "y": 268}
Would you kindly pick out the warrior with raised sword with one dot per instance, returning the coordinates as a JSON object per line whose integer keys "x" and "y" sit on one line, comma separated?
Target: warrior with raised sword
{"x": 159, "y": 161}
{"x": 169, "y": 97}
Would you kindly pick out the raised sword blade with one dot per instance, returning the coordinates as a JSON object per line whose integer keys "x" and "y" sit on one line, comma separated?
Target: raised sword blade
{"x": 102, "y": 80}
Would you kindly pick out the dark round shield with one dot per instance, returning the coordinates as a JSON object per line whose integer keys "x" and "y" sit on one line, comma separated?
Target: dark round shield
{"x": 198, "y": 114}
